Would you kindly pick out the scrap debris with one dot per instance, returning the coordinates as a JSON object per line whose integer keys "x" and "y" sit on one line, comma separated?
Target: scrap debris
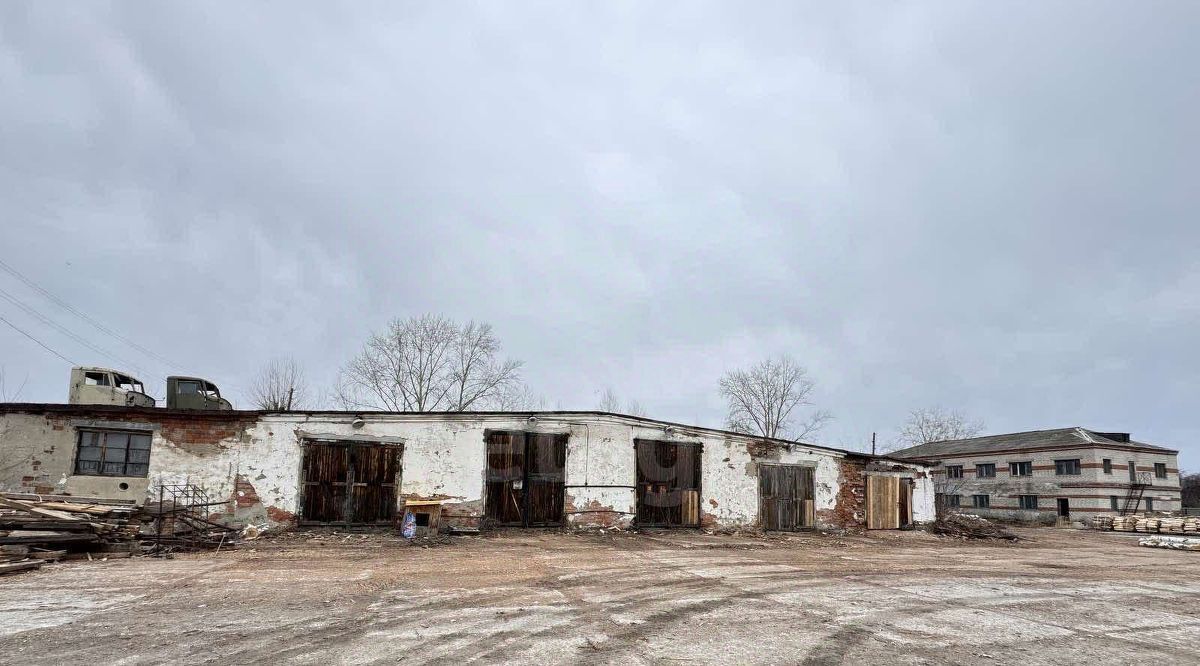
{"x": 1174, "y": 543}
{"x": 36, "y": 529}
{"x": 969, "y": 526}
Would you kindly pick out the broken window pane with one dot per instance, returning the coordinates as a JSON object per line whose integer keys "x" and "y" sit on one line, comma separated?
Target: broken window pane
{"x": 96, "y": 379}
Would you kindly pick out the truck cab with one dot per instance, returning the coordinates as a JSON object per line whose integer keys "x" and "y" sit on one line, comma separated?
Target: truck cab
{"x": 194, "y": 393}
{"x": 104, "y": 386}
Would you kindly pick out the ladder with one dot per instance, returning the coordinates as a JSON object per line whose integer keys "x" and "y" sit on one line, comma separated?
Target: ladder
{"x": 1133, "y": 498}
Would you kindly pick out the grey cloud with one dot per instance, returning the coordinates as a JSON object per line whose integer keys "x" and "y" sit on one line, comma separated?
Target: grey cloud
{"x": 982, "y": 206}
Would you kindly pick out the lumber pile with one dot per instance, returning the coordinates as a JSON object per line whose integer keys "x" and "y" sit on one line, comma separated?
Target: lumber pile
{"x": 36, "y": 529}
{"x": 1174, "y": 543}
{"x": 968, "y": 526}
{"x": 1149, "y": 525}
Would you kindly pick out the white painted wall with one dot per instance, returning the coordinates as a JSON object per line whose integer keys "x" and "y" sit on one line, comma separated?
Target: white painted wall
{"x": 444, "y": 455}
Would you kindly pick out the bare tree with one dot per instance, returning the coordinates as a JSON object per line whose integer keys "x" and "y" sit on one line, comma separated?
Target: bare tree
{"x": 1189, "y": 484}
{"x": 280, "y": 385}
{"x": 427, "y": 364}
{"x": 762, "y": 399}
{"x": 517, "y": 397}
{"x": 610, "y": 402}
{"x": 935, "y": 424}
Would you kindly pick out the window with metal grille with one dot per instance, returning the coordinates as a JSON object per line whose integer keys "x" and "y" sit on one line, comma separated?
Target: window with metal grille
{"x": 981, "y": 501}
{"x": 1160, "y": 470}
{"x": 1020, "y": 468}
{"x": 953, "y": 471}
{"x": 1028, "y": 502}
{"x": 985, "y": 470}
{"x": 112, "y": 453}
{"x": 1067, "y": 467}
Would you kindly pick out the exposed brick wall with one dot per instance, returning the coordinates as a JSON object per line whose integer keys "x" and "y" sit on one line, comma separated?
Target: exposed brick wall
{"x": 849, "y": 510}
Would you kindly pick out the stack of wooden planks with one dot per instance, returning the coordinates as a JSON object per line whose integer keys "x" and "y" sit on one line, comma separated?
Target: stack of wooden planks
{"x": 37, "y": 528}
{"x": 1124, "y": 523}
{"x": 1150, "y": 525}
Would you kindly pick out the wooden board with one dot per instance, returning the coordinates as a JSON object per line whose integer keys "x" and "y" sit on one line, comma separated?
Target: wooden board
{"x": 883, "y": 502}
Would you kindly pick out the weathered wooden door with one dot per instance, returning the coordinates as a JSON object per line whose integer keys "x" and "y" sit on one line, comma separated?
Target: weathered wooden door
{"x": 884, "y": 503}
{"x": 349, "y": 483}
{"x": 525, "y": 477}
{"x": 786, "y": 496}
{"x": 668, "y": 483}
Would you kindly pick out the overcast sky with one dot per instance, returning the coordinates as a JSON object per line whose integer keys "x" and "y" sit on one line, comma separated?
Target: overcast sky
{"x": 985, "y": 206}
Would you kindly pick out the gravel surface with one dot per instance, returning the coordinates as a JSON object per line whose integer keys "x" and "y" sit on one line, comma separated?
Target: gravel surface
{"x": 1056, "y": 597}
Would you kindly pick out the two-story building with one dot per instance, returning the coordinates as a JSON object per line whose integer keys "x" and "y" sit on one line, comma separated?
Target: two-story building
{"x": 1040, "y": 475}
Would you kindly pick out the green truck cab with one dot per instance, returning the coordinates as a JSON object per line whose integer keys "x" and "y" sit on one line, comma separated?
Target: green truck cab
{"x": 194, "y": 393}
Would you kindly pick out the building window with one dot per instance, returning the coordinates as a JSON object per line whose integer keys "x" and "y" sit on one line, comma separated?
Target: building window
{"x": 953, "y": 501}
{"x": 1149, "y": 503}
{"x": 1108, "y": 465}
{"x": 985, "y": 471}
{"x": 1020, "y": 468}
{"x": 1067, "y": 467}
{"x": 954, "y": 471}
{"x": 1028, "y": 502}
{"x": 112, "y": 453}
{"x": 1160, "y": 470}
{"x": 981, "y": 501}
{"x": 1115, "y": 502}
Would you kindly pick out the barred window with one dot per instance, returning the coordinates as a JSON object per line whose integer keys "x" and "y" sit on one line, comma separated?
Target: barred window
{"x": 112, "y": 453}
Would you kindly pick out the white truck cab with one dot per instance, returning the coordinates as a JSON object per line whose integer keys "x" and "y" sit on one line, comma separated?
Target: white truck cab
{"x": 104, "y": 386}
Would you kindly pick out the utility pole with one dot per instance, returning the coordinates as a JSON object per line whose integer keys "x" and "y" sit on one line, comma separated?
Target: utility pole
{"x": 872, "y": 443}
{"x": 290, "y": 389}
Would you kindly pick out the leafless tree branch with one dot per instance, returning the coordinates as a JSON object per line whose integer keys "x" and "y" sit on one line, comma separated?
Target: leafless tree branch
{"x": 762, "y": 398}
{"x": 610, "y": 402}
{"x": 935, "y": 424}
{"x": 427, "y": 364}
{"x": 280, "y": 385}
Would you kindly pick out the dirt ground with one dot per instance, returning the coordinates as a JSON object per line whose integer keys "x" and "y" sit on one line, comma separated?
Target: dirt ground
{"x": 1062, "y": 596}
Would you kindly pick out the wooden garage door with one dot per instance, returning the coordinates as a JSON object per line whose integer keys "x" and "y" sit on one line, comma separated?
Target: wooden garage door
{"x": 889, "y": 502}
{"x": 786, "y": 496}
{"x": 668, "y": 483}
{"x": 525, "y": 478}
{"x": 350, "y": 483}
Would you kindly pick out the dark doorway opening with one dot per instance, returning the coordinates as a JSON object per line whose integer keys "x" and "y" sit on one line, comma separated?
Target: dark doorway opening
{"x": 1064, "y": 507}
{"x": 349, "y": 483}
{"x": 786, "y": 497}
{"x": 525, "y": 477}
{"x": 668, "y": 483}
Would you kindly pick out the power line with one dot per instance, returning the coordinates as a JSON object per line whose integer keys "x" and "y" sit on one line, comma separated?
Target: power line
{"x": 66, "y": 306}
{"x": 39, "y": 342}
{"x": 67, "y": 332}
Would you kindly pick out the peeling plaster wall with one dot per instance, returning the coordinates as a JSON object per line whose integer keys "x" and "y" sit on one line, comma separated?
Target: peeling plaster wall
{"x": 251, "y": 462}
{"x": 444, "y": 457}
